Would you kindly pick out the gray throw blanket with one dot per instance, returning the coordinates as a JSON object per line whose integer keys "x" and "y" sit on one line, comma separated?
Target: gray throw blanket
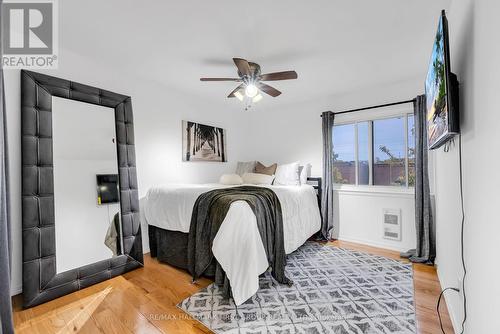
{"x": 211, "y": 208}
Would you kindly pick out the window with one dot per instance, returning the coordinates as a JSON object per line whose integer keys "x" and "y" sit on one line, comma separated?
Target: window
{"x": 380, "y": 152}
{"x": 344, "y": 150}
{"x": 389, "y": 152}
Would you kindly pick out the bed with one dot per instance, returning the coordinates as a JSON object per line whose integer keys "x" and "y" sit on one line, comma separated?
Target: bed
{"x": 237, "y": 247}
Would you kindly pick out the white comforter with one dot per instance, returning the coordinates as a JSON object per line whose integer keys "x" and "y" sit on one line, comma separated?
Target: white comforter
{"x": 237, "y": 246}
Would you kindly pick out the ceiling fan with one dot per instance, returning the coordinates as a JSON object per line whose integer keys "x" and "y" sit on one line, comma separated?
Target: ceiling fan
{"x": 252, "y": 81}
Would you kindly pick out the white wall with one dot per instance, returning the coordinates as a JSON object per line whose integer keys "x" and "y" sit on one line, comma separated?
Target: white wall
{"x": 294, "y": 133}
{"x": 474, "y": 28}
{"x": 158, "y": 113}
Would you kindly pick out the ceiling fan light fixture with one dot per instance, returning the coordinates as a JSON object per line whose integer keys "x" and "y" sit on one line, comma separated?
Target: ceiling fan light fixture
{"x": 251, "y": 90}
{"x": 257, "y": 98}
{"x": 251, "y": 85}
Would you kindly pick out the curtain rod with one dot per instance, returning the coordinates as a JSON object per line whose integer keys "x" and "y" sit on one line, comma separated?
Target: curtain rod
{"x": 373, "y": 107}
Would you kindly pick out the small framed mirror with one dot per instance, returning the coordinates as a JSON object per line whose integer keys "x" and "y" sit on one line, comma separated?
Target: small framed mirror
{"x": 81, "y": 220}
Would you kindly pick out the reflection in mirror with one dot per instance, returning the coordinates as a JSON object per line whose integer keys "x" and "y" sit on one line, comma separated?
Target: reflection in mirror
{"x": 87, "y": 220}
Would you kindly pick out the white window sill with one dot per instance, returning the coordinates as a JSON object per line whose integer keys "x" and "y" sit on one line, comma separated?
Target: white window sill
{"x": 388, "y": 190}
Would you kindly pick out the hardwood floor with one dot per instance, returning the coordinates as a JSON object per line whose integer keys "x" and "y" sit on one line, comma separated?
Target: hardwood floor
{"x": 144, "y": 301}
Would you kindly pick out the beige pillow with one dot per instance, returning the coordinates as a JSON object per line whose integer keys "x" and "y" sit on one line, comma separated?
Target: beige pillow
{"x": 230, "y": 179}
{"x": 261, "y": 169}
{"x": 245, "y": 167}
{"x": 255, "y": 178}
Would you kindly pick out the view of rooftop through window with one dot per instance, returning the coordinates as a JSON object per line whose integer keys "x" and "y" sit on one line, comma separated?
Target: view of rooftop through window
{"x": 388, "y": 161}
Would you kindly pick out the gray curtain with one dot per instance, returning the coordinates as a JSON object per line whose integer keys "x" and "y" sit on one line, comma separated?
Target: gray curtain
{"x": 5, "y": 260}
{"x": 424, "y": 220}
{"x": 327, "y": 191}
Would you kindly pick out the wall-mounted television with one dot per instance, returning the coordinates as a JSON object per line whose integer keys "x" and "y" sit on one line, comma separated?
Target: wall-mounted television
{"x": 107, "y": 189}
{"x": 441, "y": 90}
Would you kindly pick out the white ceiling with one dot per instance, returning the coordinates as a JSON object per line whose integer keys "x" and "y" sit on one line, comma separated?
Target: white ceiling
{"x": 335, "y": 46}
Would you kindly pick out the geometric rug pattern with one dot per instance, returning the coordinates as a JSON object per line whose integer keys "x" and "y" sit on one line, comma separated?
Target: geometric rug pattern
{"x": 335, "y": 290}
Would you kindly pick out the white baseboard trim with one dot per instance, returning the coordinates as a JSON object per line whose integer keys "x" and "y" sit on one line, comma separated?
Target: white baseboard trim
{"x": 374, "y": 244}
{"x": 453, "y": 317}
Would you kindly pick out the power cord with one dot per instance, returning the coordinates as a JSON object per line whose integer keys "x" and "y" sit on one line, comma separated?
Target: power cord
{"x": 461, "y": 242}
{"x": 439, "y": 302}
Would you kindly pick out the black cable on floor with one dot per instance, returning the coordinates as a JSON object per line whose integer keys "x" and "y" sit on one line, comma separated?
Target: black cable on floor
{"x": 461, "y": 244}
{"x": 437, "y": 307}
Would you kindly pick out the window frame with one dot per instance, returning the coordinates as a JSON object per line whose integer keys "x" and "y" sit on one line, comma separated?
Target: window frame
{"x": 405, "y": 114}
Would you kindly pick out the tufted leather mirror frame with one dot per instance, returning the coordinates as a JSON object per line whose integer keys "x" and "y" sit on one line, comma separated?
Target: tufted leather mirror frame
{"x": 41, "y": 282}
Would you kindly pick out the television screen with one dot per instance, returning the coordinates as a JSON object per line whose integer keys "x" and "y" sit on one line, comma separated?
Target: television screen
{"x": 107, "y": 189}
{"x": 439, "y": 87}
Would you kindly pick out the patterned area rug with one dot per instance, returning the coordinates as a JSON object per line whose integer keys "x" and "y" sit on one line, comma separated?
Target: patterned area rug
{"x": 335, "y": 291}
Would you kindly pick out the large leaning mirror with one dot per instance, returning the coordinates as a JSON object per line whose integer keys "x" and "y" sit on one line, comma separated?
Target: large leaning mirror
{"x": 80, "y": 201}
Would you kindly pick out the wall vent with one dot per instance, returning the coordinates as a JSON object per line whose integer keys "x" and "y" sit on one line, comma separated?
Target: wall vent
{"x": 392, "y": 224}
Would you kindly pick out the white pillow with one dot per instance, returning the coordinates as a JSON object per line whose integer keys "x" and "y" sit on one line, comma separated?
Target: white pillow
{"x": 305, "y": 172}
{"x": 287, "y": 175}
{"x": 230, "y": 179}
{"x": 245, "y": 167}
{"x": 255, "y": 178}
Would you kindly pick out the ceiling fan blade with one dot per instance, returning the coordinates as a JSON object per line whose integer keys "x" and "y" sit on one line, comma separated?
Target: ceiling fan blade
{"x": 221, "y": 79}
{"x": 286, "y": 75}
{"x": 240, "y": 87}
{"x": 242, "y": 65}
{"x": 268, "y": 89}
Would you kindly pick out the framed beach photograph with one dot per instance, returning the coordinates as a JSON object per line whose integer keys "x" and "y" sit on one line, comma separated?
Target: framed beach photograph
{"x": 202, "y": 142}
